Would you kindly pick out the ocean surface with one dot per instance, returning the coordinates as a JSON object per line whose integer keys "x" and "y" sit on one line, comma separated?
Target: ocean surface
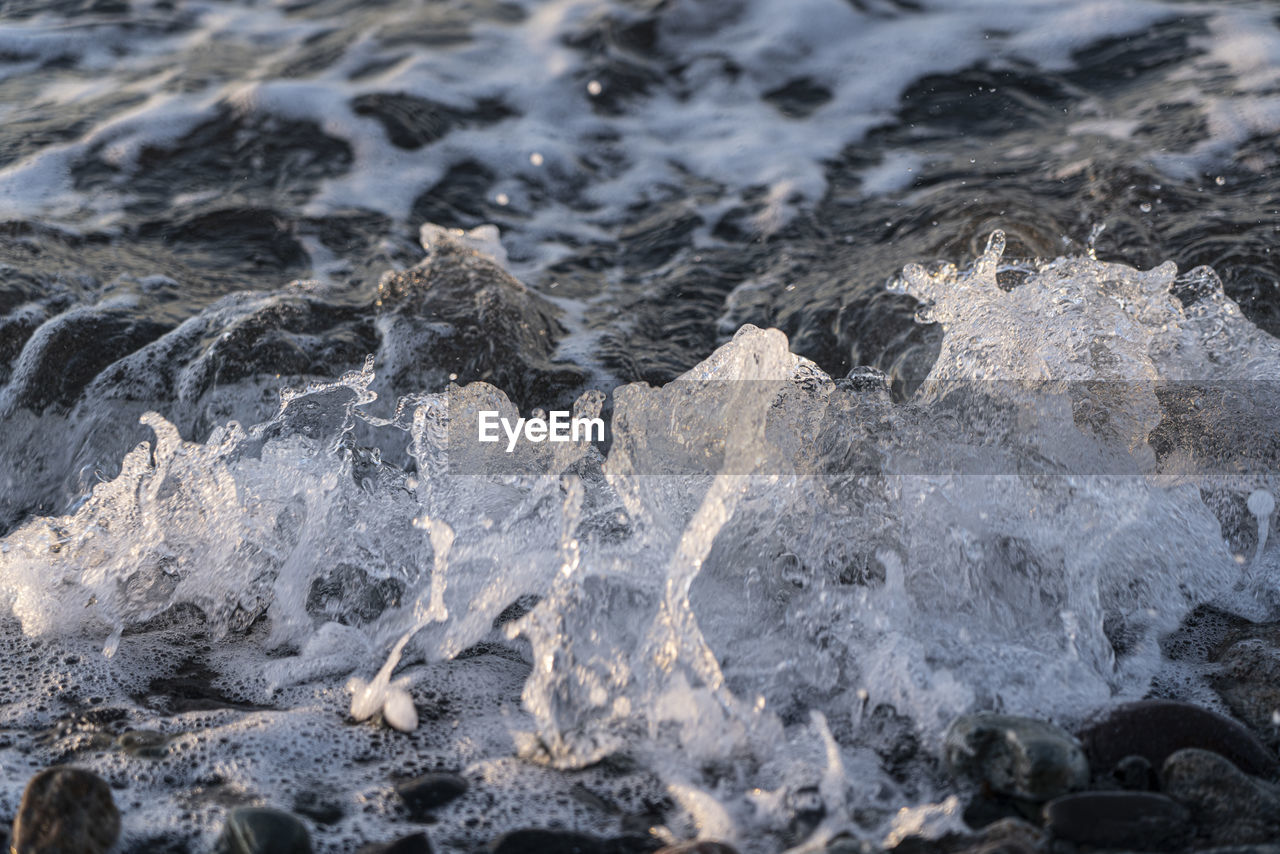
{"x": 935, "y": 342}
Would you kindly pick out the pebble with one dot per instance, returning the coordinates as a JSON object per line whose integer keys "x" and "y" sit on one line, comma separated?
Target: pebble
{"x": 1228, "y": 806}
{"x": 65, "y": 811}
{"x": 547, "y": 841}
{"x": 1156, "y": 729}
{"x": 415, "y": 844}
{"x": 431, "y": 791}
{"x": 1137, "y": 820}
{"x": 261, "y": 830}
{"x": 1249, "y": 683}
{"x": 1135, "y": 774}
{"x": 1020, "y": 757}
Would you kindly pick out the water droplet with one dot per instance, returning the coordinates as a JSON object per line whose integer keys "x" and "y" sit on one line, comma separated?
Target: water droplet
{"x": 535, "y": 159}
{"x": 502, "y": 199}
{"x": 1219, "y": 180}
{"x": 594, "y": 88}
{"x": 1145, "y": 207}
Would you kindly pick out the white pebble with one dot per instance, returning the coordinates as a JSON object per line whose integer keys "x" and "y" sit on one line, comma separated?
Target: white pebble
{"x": 399, "y": 712}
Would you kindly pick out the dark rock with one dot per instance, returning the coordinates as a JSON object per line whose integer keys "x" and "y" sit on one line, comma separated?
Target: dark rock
{"x": 260, "y": 830}
{"x": 547, "y": 841}
{"x": 1155, "y": 729}
{"x": 1228, "y": 806}
{"x": 1015, "y": 756}
{"x": 460, "y": 314}
{"x": 1249, "y": 683}
{"x": 430, "y": 791}
{"x": 411, "y": 121}
{"x": 1135, "y": 774}
{"x": 63, "y": 355}
{"x": 319, "y": 807}
{"x": 704, "y": 847}
{"x": 798, "y": 98}
{"x": 65, "y": 811}
{"x": 1138, "y": 820}
{"x": 415, "y": 844}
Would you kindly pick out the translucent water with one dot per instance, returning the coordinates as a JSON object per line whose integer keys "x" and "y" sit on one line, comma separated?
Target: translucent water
{"x": 765, "y": 569}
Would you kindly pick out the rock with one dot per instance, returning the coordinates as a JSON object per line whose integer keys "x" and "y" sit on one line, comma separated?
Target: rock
{"x": 1228, "y": 806}
{"x": 547, "y": 841}
{"x": 431, "y": 791}
{"x": 1139, "y": 820}
{"x": 415, "y": 844}
{"x": 460, "y": 314}
{"x": 65, "y": 811}
{"x": 1135, "y": 774}
{"x": 704, "y": 847}
{"x": 144, "y": 743}
{"x": 260, "y": 830}
{"x": 1249, "y": 683}
{"x": 849, "y": 845}
{"x": 1015, "y": 756}
{"x": 1156, "y": 729}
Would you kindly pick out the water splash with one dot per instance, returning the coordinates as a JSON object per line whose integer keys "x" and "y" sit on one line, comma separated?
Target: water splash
{"x": 766, "y": 558}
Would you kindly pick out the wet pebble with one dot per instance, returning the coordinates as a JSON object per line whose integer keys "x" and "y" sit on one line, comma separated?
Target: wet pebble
{"x": 1228, "y": 806}
{"x": 261, "y": 830}
{"x": 1142, "y": 821}
{"x": 1135, "y": 774}
{"x": 1156, "y": 729}
{"x": 1020, "y": 757}
{"x": 431, "y": 791}
{"x": 65, "y": 810}
{"x": 704, "y": 847}
{"x": 415, "y": 844}
{"x": 1249, "y": 683}
{"x": 548, "y": 841}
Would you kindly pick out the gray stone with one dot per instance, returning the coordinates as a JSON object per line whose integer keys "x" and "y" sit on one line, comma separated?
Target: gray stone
{"x": 415, "y": 844}
{"x": 1227, "y": 806}
{"x": 1249, "y": 683}
{"x": 1020, "y": 757}
{"x": 1137, "y": 820}
{"x": 260, "y": 830}
{"x": 65, "y": 811}
{"x": 431, "y": 791}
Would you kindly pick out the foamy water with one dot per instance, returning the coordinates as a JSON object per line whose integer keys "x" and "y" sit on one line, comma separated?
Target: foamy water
{"x": 841, "y": 502}
{"x": 747, "y": 615}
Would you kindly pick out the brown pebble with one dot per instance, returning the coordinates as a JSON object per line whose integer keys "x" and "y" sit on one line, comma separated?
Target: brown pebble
{"x": 1156, "y": 729}
{"x": 66, "y": 811}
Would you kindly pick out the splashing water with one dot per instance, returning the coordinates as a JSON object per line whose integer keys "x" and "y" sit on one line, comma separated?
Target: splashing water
{"x": 765, "y": 557}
